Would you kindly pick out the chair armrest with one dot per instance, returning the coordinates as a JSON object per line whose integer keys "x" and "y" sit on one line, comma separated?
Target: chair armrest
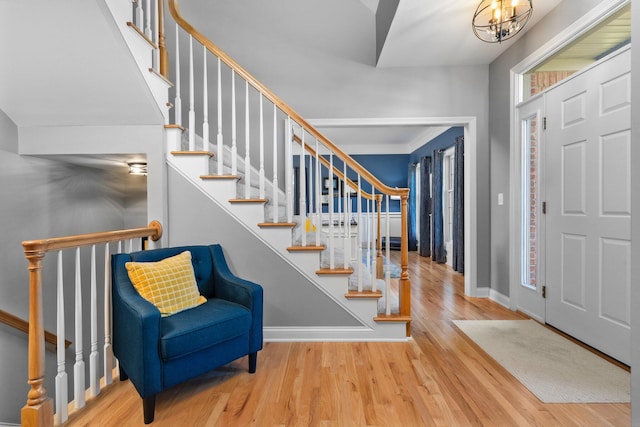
{"x": 136, "y": 331}
{"x": 232, "y": 288}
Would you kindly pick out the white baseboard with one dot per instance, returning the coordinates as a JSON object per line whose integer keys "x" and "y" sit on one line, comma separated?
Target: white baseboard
{"x": 482, "y": 292}
{"x": 501, "y": 299}
{"x": 387, "y": 332}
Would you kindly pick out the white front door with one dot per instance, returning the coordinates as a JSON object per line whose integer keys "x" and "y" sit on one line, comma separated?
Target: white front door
{"x": 588, "y": 219}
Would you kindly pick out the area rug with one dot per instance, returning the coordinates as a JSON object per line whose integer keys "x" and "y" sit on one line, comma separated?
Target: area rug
{"x": 552, "y": 367}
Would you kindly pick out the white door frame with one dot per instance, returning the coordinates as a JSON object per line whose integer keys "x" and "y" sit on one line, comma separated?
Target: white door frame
{"x": 470, "y": 178}
{"x": 598, "y": 14}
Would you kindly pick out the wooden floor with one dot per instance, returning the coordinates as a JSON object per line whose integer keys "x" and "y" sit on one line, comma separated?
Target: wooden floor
{"x": 438, "y": 378}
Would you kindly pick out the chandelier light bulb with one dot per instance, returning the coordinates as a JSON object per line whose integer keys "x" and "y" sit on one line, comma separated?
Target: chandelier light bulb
{"x": 499, "y": 20}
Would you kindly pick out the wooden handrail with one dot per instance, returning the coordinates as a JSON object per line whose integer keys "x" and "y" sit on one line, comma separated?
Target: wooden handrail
{"x": 336, "y": 171}
{"x": 38, "y": 410}
{"x": 284, "y": 107}
{"x": 22, "y": 325}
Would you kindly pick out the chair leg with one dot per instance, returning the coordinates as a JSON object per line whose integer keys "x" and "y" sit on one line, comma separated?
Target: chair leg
{"x": 253, "y": 361}
{"x": 149, "y": 407}
{"x": 123, "y": 374}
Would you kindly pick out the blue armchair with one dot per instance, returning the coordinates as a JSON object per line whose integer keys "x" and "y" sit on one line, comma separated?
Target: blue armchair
{"x": 156, "y": 352}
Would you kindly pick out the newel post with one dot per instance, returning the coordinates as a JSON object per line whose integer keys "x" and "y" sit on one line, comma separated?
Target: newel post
{"x": 39, "y": 408}
{"x": 405, "y": 284}
{"x": 164, "y": 55}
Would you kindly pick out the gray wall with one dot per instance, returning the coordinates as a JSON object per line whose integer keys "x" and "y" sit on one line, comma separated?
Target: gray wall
{"x": 319, "y": 57}
{"x": 42, "y": 198}
{"x": 554, "y": 22}
{"x": 196, "y": 219}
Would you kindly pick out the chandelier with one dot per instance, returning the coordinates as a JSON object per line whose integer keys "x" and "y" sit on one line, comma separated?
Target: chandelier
{"x": 498, "y": 20}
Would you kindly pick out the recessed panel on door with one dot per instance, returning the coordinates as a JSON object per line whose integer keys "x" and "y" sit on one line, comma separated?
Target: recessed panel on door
{"x": 573, "y": 253}
{"x": 615, "y": 175}
{"x": 573, "y": 178}
{"x": 574, "y": 110}
{"x": 615, "y": 281}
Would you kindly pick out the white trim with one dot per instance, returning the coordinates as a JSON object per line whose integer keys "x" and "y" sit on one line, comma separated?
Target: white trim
{"x": 589, "y": 20}
{"x": 336, "y": 333}
{"x": 501, "y": 299}
{"x": 470, "y": 177}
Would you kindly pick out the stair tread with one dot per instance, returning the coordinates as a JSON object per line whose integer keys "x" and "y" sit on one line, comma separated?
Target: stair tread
{"x": 193, "y": 153}
{"x": 219, "y": 177}
{"x": 392, "y": 318}
{"x": 327, "y": 271}
{"x": 363, "y": 295}
{"x": 277, "y": 224}
{"x": 248, "y": 201}
{"x": 306, "y": 248}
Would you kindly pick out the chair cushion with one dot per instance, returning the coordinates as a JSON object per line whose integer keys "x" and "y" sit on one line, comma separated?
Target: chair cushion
{"x": 208, "y": 324}
{"x": 168, "y": 284}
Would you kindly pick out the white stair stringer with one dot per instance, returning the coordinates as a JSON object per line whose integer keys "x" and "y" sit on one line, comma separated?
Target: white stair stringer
{"x": 142, "y": 53}
{"x": 306, "y": 263}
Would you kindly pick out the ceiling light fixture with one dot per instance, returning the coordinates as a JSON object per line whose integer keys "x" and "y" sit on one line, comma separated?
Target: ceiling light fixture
{"x": 498, "y": 20}
{"x": 137, "y": 168}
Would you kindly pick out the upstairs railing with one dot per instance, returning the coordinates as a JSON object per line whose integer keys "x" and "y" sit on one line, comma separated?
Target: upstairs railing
{"x": 39, "y": 409}
{"x": 255, "y": 131}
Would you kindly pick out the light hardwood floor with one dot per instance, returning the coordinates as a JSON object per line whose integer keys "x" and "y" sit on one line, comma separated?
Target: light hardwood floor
{"x": 438, "y": 378}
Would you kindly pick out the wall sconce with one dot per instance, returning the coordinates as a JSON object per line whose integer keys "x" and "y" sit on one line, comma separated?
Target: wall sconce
{"x": 137, "y": 168}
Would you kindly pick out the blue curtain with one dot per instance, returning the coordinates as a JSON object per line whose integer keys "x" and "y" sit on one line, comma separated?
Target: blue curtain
{"x": 411, "y": 209}
{"x": 458, "y": 207}
{"x": 425, "y": 207}
{"x": 438, "y": 251}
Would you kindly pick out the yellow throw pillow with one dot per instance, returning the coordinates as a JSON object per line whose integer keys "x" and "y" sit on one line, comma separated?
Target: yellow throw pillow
{"x": 169, "y": 284}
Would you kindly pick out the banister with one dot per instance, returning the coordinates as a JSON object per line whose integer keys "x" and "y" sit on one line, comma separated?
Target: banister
{"x": 22, "y": 325}
{"x": 38, "y": 411}
{"x": 284, "y": 107}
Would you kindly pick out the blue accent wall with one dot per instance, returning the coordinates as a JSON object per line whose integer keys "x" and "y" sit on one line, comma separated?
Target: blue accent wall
{"x": 442, "y": 142}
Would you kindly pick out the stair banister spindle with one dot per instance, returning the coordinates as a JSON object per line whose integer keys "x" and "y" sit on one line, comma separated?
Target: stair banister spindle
{"x": 332, "y": 257}
{"x": 275, "y": 163}
{"x": 387, "y": 261}
{"x": 108, "y": 351}
{"x": 358, "y": 235}
{"x": 375, "y": 232}
{"x": 205, "y": 102}
{"x": 234, "y": 146}
{"x": 192, "y": 111}
{"x": 288, "y": 186}
{"x": 140, "y": 15}
{"x": 262, "y": 177}
{"x": 147, "y": 21}
{"x": 178, "y": 101}
{"x": 378, "y": 237}
{"x": 318, "y": 196}
{"x": 303, "y": 191}
{"x": 346, "y": 220}
{"x": 219, "y": 138}
{"x": 78, "y": 367}
{"x": 62, "y": 394}
{"x": 94, "y": 383}
{"x": 247, "y": 140}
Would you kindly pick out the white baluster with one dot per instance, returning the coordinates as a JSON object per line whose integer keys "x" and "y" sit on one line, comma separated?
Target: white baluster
{"x": 178, "y": 101}
{"x": 332, "y": 256}
{"x": 303, "y": 190}
{"x": 289, "y": 170}
{"x": 78, "y": 367}
{"x": 262, "y": 178}
{"x": 108, "y": 351}
{"x": 147, "y": 21}
{"x": 247, "y": 139}
{"x": 62, "y": 394}
{"x": 139, "y": 15}
{"x": 219, "y": 138}
{"x": 359, "y": 236}
{"x": 346, "y": 220}
{"x": 388, "y": 261}
{"x": 275, "y": 163}
{"x": 205, "y": 103}
{"x": 192, "y": 111}
{"x": 318, "y": 196}
{"x": 374, "y": 249}
{"x": 94, "y": 383}
{"x": 234, "y": 147}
